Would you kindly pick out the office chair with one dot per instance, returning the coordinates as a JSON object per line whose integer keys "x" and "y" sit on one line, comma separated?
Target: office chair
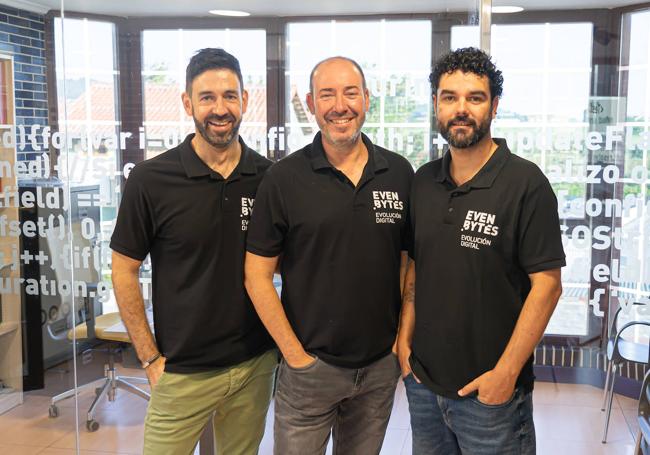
{"x": 620, "y": 350}
{"x": 108, "y": 385}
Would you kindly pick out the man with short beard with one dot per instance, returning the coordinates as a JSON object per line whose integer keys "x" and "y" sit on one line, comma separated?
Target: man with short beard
{"x": 336, "y": 211}
{"x": 189, "y": 208}
{"x": 487, "y": 252}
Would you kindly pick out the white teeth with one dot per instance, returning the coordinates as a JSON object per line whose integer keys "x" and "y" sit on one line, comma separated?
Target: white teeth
{"x": 342, "y": 121}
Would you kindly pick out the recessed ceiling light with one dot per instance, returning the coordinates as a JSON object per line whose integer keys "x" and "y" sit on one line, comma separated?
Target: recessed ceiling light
{"x": 229, "y": 12}
{"x": 507, "y": 9}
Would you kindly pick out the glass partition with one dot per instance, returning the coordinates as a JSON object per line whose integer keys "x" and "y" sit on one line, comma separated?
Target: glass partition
{"x": 89, "y": 89}
{"x": 95, "y": 89}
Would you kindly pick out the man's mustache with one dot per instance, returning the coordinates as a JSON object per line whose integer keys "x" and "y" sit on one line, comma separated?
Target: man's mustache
{"x": 464, "y": 121}
{"x": 220, "y": 118}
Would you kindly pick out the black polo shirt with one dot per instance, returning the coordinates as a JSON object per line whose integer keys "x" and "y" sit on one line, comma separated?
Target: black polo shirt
{"x": 194, "y": 223}
{"x": 340, "y": 249}
{"x": 475, "y": 245}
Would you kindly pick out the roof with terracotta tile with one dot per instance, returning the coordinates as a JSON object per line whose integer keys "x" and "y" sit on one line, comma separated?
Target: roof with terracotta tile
{"x": 162, "y": 104}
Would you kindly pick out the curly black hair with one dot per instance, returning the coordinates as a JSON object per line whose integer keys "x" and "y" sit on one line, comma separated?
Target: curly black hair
{"x": 468, "y": 60}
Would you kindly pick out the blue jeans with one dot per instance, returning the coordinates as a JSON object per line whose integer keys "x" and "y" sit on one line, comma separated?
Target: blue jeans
{"x": 447, "y": 426}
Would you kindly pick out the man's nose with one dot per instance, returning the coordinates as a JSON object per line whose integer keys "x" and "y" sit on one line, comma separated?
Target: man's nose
{"x": 461, "y": 106}
{"x": 340, "y": 105}
{"x": 219, "y": 107}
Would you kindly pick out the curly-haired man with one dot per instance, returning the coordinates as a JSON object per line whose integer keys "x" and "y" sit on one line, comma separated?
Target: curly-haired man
{"x": 488, "y": 244}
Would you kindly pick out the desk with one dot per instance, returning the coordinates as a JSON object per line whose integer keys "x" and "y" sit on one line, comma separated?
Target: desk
{"x": 114, "y": 329}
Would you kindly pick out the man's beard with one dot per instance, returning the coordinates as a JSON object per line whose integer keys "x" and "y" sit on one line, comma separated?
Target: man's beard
{"x": 341, "y": 141}
{"x": 461, "y": 141}
{"x": 217, "y": 140}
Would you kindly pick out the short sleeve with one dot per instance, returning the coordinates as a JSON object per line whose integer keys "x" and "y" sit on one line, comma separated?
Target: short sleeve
{"x": 539, "y": 236}
{"x": 135, "y": 226}
{"x": 268, "y": 225}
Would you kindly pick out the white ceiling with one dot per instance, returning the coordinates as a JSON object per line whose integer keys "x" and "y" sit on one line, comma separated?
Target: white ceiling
{"x": 294, "y": 7}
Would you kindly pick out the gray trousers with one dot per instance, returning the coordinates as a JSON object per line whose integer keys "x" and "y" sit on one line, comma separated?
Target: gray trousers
{"x": 353, "y": 404}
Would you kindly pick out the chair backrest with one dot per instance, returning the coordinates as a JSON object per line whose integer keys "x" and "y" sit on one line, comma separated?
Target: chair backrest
{"x": 638, "y": 335}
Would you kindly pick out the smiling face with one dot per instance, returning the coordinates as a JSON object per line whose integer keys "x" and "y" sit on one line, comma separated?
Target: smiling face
{"x": 464, "y": 108}
{"x": 216, "y": 103}
{"x": 339, "y": 102}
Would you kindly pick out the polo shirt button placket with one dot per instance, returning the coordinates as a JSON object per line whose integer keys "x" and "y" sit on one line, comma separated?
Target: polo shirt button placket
{"x": 448, "y": 218}
{"x": 450, "y": 202}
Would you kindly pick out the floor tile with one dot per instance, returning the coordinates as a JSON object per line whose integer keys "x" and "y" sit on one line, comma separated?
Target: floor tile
{"x": 579, "y": 424}
{"x": 30, "y": 425}
{"x": 20, "y": 450}
{"x": 627, "y": 403}
{"x": 119, "y": 432}
{"x": 569, "y": 394}
{"x": 631, "y": 420}
{"x": 554, "y": 447}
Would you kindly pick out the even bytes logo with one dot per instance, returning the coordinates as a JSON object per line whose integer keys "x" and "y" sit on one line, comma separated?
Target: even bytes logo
{"x": 246, "y": 211}
{"x": 390, "y": 204}
{"x": 479, "y": 223}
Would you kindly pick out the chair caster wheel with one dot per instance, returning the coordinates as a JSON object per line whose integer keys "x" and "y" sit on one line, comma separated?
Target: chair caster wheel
{"x": 92, "y": 425}
{"x": 53, "y": 411}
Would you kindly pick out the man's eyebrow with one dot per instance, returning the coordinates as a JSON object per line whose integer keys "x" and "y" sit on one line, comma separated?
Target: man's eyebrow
{"x": 453, "y": 92}
{"x": 210, "y": 92}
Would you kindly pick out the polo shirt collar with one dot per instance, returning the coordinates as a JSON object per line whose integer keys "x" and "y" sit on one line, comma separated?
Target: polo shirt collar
{"x": 376, "y": 159}
{"x": 195, "y": 167}
{"x": 488, "y": 173}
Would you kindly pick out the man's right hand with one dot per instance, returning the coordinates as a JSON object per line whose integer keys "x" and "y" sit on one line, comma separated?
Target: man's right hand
{"x": 403, "y": 355}
{"x": 300, "y": 361}
{"x": 155, "y": 370}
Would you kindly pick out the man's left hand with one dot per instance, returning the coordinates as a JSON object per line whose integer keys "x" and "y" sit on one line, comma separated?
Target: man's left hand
{"x": 494, "y": 387}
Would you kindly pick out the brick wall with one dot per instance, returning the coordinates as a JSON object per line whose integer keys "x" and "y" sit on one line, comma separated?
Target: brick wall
{"x": 22, "y": 35}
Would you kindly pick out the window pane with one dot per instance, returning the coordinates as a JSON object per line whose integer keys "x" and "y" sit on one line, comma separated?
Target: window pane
{"x": 165, "y": 120}
{"x": 396, "y": 75}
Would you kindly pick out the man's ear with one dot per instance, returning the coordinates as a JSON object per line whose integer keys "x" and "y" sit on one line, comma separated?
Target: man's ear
{"x": 244, "y": 101}
{"x": 310, "y": 103}
{"x": 495, "y": 104}
{"x": 187, "y": 103}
